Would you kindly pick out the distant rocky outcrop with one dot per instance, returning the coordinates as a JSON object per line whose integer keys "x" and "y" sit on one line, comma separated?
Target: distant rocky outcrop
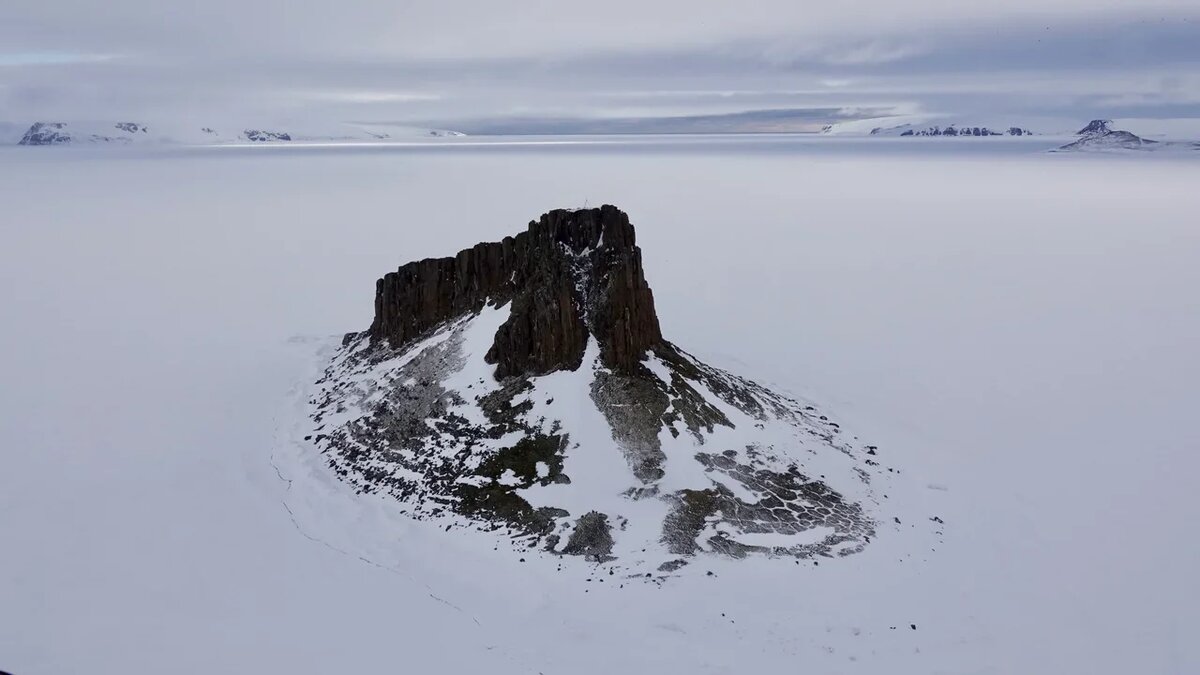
{"x": 953, "y": 130}
{"x": 259, "y": 135}
{"x": 130, "y": 127}
{"x": 60, "y": 133}
{"x": 493, "y": 382}
{"x": 1096, "y": 128}
{"x": 46, "y": 133}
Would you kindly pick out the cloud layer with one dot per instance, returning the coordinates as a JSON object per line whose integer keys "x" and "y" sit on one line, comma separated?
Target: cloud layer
{"x": 440, "y": 62}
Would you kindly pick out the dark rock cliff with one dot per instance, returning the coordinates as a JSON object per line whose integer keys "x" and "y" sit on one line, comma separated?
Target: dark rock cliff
{"x": 570, "y": 274}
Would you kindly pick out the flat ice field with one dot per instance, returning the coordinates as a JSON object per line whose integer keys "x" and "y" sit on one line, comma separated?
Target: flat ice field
{"x": 1019, "y": 331}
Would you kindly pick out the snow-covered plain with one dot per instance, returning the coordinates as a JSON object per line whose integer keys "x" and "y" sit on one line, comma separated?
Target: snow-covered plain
{"x": 1017, "y": 330}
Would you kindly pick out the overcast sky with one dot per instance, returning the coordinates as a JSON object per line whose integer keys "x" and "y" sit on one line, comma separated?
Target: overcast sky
{"x": 480, "y": 62}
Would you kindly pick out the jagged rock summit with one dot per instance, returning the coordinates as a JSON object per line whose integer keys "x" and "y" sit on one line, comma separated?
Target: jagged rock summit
{"x": 525, "y": 387}
{"x": 1096, "y": 128}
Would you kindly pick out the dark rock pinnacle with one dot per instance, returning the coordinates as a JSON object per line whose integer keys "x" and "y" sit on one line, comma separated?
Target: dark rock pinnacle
{"x": 569, "y": 275}
{"x": 1095, "y": 127}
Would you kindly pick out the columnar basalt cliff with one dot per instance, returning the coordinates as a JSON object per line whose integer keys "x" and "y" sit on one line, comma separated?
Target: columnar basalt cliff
{"x": 569, "y": 274}
{"x": 525, "y": 386}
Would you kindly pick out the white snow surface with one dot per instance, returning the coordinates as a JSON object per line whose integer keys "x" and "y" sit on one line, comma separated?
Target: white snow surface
{"x": 1020, "y": 338}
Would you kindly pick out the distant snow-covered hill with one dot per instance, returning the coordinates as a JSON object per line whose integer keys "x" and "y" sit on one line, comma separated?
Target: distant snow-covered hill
{"x": 126, "y": 132}
{"x": 1099, "y": 136}
{"x": 1110, "y": 140}
{"x": 1115, "y": 141}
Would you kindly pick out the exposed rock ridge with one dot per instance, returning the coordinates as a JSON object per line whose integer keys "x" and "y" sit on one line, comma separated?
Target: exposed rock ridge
{"x": 1096, "y": 128}
{"x": 570, "y": 274}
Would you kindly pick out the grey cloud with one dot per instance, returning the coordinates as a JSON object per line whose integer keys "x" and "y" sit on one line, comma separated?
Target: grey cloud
{"x": 474, "y": 62}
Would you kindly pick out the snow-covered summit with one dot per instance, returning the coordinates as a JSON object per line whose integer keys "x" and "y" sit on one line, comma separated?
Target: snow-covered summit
{"x": 524, "y": 387}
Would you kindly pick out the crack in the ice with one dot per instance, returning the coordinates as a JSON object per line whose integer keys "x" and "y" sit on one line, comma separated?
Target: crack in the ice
{"x": 387, "y": 568}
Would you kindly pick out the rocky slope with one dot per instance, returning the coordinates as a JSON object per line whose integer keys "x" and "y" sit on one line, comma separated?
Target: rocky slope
{"x": 1110, "y": 140}
{"x": 1100, "y": 136}
{"x": 524, "y": 386}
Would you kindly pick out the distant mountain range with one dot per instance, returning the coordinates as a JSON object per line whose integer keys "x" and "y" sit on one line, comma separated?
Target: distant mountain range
{"x": 923, "y": 125}
{"x": 952, "y": 130}
{"x": 126, "y": 133}
{"x": 1163, "y": 131}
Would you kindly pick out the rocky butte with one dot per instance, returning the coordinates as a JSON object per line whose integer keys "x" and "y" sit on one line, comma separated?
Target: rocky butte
{"x": 571, "y": 274}
{"x": 524, "y": 387}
